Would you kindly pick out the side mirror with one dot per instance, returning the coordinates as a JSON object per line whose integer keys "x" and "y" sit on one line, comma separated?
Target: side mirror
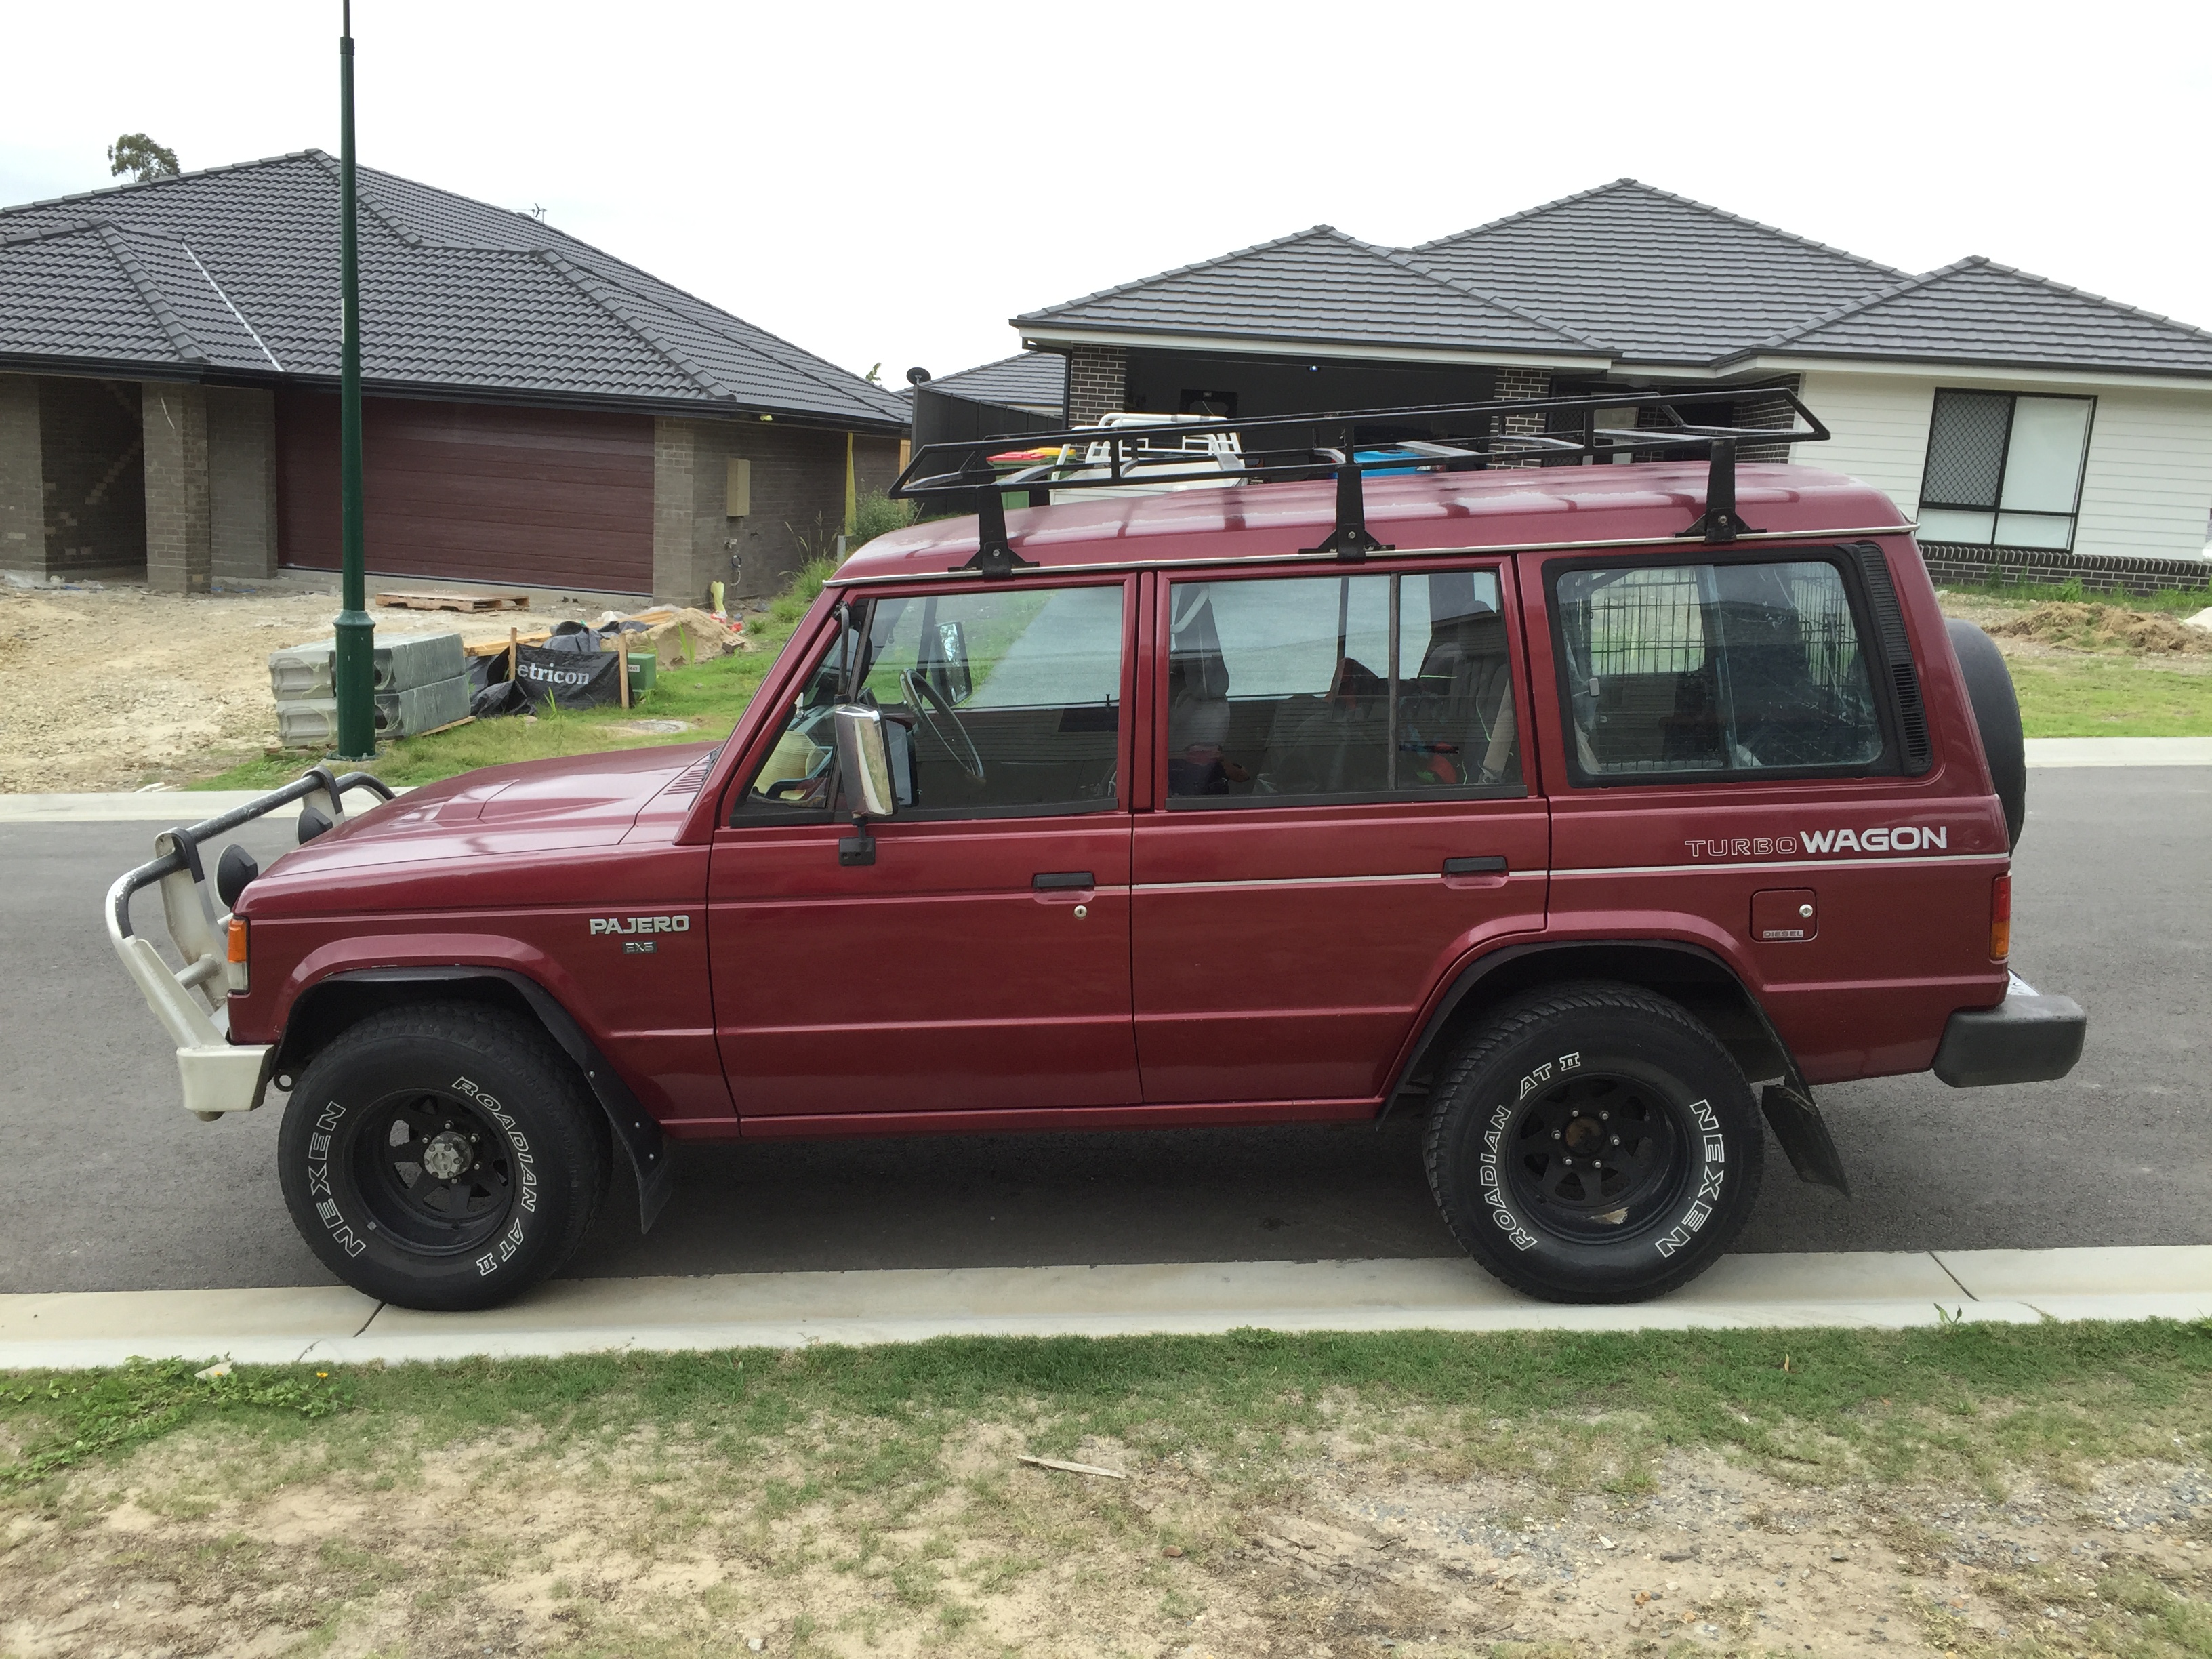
{"x": 949, "y": 671}
{"x": 864, "y": 760}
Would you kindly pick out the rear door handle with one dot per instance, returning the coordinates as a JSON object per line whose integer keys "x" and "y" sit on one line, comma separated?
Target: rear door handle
{"x": 1490, "y": 864}
{"x": 1046, "y": 881}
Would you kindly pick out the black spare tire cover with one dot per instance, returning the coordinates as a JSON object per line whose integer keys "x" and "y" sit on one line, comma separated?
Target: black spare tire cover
{"x": 1997, "y": 713}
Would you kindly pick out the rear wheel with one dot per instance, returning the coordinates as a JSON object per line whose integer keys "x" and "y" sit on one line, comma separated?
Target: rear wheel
{"x": 442, "y": 1157}
{"x": 1594, "y": 1143}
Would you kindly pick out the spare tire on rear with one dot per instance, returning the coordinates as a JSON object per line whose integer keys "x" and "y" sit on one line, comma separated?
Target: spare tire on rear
{"x": 1997, "y": 713}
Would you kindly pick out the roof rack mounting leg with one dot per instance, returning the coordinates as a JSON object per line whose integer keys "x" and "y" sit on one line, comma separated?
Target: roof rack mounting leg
{"x": 1719, "y": 523}
{"x": 994, "y": 555}
{"x": 1349, "y": 541}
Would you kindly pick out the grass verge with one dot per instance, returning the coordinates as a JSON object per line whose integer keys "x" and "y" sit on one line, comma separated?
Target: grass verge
{"x": 2090, "y": 697}
{"x": 708, "y": 697}
{"x": 1997, "y": 1490}
{"x": 2181, "y": 601}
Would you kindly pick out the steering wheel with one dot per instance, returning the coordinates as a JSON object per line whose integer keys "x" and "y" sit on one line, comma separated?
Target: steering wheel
{"x": 928, "y": 702}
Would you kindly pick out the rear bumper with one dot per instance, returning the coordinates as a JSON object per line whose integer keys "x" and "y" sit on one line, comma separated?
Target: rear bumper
{"x": 2027, "y": 1039}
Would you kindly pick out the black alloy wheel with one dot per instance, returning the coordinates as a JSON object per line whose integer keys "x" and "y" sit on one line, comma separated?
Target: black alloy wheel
{"x": 1593, "y": 1142}
{"x": 435, "y": 1170}
{"x": 442, "y": 1155}
{"x": 1594, "y": 1152}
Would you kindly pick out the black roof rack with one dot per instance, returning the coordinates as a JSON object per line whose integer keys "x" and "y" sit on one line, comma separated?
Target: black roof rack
{"x": 1461, "y": 437}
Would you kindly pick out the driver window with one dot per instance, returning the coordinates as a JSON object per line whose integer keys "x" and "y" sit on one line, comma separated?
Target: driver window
{"x": 1009, "y": 701}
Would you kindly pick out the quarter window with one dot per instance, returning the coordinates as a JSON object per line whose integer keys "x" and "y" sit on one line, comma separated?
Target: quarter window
{"x": 1310, "y": 688}
{"x": 1705, "y": 669}
{"x": 2004, "y": 471}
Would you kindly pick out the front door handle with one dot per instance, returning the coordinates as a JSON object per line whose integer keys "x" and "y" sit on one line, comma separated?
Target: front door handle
{"x": 1491, "y": 864}
{"x": 1050, "y": 881}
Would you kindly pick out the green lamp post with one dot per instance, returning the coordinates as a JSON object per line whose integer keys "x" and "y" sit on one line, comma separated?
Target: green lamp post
{"x": 353, "y": 667}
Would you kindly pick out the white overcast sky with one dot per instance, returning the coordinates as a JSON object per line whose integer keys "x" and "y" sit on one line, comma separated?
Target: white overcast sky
{"x": 890, "y": 183}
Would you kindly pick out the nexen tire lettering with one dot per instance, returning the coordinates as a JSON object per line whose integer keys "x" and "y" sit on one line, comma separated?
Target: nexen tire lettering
{"x": 1709, "y": 1181}
{"x": 319, "y": 1182}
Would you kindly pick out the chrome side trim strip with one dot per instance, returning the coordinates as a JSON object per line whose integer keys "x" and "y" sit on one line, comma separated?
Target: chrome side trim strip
{"x": 1785, "y": 863}
{"x": 1711, "y": 865}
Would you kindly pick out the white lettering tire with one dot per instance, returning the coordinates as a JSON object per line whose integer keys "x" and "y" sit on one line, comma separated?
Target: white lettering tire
{"x": 1593, "y": 1142}
{"x": 442, "y": 1155}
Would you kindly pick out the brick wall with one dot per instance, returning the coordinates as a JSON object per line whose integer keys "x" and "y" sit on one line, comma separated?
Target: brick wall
{"x": 22, "y": 488}
{"x": 875, "y": 464}
{"x": 1751, "y": 409}
{"x": 1520, "y": 383}
{"x": 798, "y": 502}
{"x": 1098, "y": 382}
{"x": 178, "y": 542}
{"x": 2097, "y": 573}
{"x": 242, "y": 481}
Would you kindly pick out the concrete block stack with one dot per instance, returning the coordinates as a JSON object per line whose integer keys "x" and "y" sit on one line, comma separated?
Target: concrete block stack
{"x": 422, "y": 682}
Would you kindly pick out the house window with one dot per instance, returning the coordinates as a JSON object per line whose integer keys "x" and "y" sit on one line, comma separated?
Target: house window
{"x": 2004, "y": 471}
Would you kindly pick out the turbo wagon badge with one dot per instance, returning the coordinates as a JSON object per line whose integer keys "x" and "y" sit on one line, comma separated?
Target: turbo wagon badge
{"x": 675, "y": 924}
{"x": 1903, "y": 838}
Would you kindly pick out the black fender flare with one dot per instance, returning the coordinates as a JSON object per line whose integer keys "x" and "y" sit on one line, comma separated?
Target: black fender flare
{"x": 1787, "y": 1101}
{"x": 635, "y": 1130}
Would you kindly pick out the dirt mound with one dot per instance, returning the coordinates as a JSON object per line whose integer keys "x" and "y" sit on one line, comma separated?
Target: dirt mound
{"x": 2103, "y": 628}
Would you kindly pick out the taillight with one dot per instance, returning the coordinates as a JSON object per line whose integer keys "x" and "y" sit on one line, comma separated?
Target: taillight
{"x": 2000, "y": 918}
{"x": 236, "y": 973}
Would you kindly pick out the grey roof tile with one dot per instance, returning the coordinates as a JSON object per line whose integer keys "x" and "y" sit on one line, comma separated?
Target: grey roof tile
{"x": 1979, "y": 310}
{"x": 235, "y": 266}
{"x": 1654, "y": 275}
{"x": 1321, "y": 286}
{"x": 1038, "y": 378}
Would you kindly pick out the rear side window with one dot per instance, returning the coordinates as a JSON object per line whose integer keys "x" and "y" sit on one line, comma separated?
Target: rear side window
{"x": 1307, "y": 688}
{"x": 1714, "y": 670}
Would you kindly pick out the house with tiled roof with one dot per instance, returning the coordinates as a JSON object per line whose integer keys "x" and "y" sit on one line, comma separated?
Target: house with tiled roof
{"x": 2029, "y": 427}
{"x": 537, "y": 413}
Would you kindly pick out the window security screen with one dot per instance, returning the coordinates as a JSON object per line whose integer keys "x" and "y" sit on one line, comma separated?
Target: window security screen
{"x": 2003, "y": 470}
{"x": 1730, "y": 669}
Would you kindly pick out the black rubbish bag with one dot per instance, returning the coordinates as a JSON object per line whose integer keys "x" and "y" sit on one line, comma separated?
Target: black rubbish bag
{"x": 500, "y": 698}
{"x": 567, "y": 679}
{"x": 573, "y": 637}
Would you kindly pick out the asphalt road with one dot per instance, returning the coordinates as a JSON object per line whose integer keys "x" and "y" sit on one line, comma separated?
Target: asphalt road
{"x": 106, "y": 1183}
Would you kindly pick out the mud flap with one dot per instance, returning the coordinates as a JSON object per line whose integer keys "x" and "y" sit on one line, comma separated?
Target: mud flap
{"x": 1804, "y": 1136}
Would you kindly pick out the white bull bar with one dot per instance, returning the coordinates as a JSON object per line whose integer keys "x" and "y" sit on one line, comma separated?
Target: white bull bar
{"x": 218, "y": 1075}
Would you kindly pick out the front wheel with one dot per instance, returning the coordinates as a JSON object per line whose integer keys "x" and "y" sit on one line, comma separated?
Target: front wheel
{"x": 442, "y": 1157}
{"x": 1594, "y": 1143}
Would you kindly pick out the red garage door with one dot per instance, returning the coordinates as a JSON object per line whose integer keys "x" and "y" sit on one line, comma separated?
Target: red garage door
{"x": 474, "y": 492}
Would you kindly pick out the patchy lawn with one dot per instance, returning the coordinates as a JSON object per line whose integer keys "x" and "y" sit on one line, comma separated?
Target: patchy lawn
{"x": 707, "y": 698}
{"x": 2017, "y": 1493}
{"x": 2091, "y": 669}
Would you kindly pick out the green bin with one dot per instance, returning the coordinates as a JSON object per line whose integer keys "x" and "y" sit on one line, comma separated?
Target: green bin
{"x": 644, "y": 670}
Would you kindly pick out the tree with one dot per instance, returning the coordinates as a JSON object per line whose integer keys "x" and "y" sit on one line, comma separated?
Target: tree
{"x": 136, "y": 154}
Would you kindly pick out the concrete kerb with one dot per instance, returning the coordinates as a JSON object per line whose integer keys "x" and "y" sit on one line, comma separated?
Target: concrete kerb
{"x": 1870, "y": 1290}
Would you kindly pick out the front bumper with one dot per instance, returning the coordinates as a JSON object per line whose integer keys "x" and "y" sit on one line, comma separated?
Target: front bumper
{"x": 2027, "y": 1039}
{"x": 218, "y": 1075}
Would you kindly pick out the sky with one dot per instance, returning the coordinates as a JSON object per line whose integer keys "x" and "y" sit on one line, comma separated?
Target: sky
{"x": 889, "y": 184}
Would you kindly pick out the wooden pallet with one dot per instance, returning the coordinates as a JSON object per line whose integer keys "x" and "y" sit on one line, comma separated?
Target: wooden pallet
{"x": 407, "y": 600}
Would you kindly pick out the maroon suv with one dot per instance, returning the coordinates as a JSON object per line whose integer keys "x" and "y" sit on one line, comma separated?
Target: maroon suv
{"x": 1465, "y": 775}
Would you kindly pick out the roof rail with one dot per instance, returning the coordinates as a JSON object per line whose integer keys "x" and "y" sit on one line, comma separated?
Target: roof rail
{"x": 1459, "y": 437}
